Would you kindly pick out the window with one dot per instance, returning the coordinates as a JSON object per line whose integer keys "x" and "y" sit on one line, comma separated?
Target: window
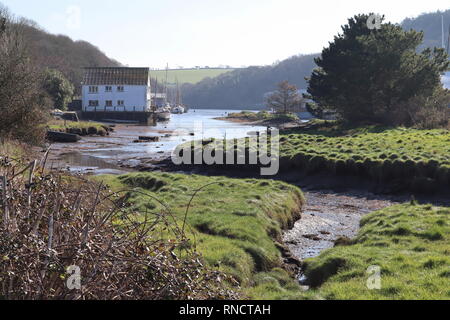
{"x": 93, "y": 89}
{"x": 108, "y": 103}
{"x": 120, "y": 89}
{"x": 93, "y": 103}
{"x": 120, "y": 103}
{"x": 108, "y": 89}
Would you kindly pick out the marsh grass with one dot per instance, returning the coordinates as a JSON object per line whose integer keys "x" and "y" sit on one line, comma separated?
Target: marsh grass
{"x": 82, "y": 128}
{"x": 234, "y": 223}
{"x": 409, "y": 242}
{"x": 263, "y": 116}
{"x": 417, "y": 159}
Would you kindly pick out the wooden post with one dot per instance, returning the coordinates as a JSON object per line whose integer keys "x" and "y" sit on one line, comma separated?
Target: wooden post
{"x": 30, "y": 187}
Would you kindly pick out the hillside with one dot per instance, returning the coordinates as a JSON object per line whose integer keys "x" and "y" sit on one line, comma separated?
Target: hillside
{"x": 245, "y": 88}
{"x": 62, "y": 53}
{"x": 431, "y": 25}
{"x": 192, "y": 76}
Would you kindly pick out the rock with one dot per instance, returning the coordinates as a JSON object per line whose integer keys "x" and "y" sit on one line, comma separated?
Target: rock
{"x": 313, "y": 237}
{"x": 149, "y": 139}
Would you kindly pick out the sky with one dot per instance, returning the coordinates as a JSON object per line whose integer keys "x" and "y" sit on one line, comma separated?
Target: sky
{"x": 188, "y": 33}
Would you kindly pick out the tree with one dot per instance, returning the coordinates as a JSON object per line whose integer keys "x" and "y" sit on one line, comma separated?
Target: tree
{"x": 21, "y": 97}
{"x": 58, "y": 88}
{"x": 371, "y": 74}
{"x": 285, "y": 99}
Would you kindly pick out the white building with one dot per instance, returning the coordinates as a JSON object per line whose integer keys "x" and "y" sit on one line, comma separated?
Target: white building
{"x": 116, "y": 89}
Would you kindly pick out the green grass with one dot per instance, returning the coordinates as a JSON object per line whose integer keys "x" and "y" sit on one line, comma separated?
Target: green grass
{"x": 418, "y": 157}
{"x": 80, "y": 128}
{"x": 234, "y": 223}
{"x": 410, "y": 244}
{"x": 263, "y": 116}
{"x": 192, "y": 76}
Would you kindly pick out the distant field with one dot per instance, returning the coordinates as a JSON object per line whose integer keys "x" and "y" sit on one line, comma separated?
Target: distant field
{"x": 187, "y": 75}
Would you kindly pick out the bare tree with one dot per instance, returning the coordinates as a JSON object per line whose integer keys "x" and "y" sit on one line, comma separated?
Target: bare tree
{"x": 285, "y": 99}
{"x": 21, "y": 97}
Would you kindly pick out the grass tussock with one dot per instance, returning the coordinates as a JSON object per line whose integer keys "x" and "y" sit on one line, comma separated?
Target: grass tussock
{"x": 233, "y": 223}
{"x": 82, "y": 128}
{"x": 410, "y": 245}
{"x": 418, "y": 159}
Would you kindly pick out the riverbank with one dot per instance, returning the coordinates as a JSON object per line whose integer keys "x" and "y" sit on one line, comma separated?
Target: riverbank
{"x": 392, "y": 159}
{"x": 333, "y": 211}
{"x": 236, "y": 224}
{"x": 400, "y": 253}
{"x": 263, "y": 118}
{"x": 81, "y": 128}
{"x": 329, "y": 216}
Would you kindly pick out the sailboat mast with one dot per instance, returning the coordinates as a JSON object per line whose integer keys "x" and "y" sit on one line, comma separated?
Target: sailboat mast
{"x": 165, "y": 88}
{"x": 178, "y": 93}
{"x": 156, "y": 93}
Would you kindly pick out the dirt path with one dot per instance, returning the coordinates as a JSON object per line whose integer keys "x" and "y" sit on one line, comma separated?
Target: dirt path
{"x": 329, "y": 216}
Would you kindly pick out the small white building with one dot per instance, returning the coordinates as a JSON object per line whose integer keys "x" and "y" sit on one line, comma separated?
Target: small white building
{"x": 116, "y": 90}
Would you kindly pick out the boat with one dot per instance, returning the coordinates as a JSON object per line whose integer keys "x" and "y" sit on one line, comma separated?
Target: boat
{"x": 163, "y": 113}
{"x": 179, "y": 108}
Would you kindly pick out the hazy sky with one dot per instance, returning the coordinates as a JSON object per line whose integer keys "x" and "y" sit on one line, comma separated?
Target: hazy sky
{"x": 207, "y": 32}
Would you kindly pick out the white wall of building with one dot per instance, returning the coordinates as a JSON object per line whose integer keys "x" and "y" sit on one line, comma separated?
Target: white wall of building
{"x": 135, "y": 98}
{"x": 446, "y": 80}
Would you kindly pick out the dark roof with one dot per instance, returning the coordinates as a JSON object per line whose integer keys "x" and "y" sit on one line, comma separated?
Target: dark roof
{"x": 116, "y": 76}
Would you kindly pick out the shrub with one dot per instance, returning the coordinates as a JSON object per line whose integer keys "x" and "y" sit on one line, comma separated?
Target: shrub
{"x": 59, "y": 221}
{"x": 22, "y": 101}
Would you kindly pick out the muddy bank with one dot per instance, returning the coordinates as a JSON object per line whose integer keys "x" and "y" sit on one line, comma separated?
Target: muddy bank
{"x": 123, "y": 148}
{"x": 276, "y": 123}
{"x": 329, "y": 216}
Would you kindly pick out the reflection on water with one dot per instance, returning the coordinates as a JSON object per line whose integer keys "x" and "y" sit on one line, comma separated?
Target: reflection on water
{"x": 99, "y": 154}
{"x": 86, "y": 163}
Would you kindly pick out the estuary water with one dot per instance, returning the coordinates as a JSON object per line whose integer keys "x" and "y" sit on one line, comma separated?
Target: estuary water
{"x": 102, "y": 155}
